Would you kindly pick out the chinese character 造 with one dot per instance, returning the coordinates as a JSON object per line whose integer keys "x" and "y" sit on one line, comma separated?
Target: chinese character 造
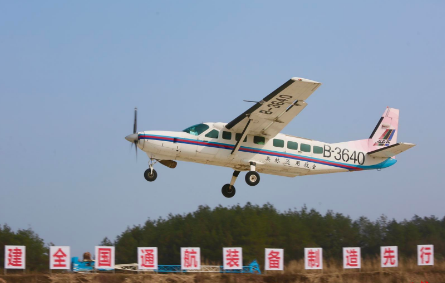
{"x": 313, "y": 258}
{"x": 148, "y": 258}
{"x": 425, "y": 252}
{"x": 104, "y": 257}
{"x": 352, "y": 257}
{"x": 15, "y": 257}
{"x": 274, "y": 259}
{"x": 232, "y": 258}
{"x": 60, "y": 260}
{"x": 190, "y": 258}
{"x": 388, "y": 254}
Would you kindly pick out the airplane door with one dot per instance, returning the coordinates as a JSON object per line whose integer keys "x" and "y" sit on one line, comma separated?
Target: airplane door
{"x": 208, "y": 148}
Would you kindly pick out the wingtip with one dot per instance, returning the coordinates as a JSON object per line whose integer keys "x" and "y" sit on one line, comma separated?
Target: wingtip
{"x": 304, "y": 80}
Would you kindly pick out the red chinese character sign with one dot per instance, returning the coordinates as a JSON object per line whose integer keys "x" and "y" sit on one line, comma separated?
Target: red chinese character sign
{"x": 190, "y": 258}
{"x": 389, "y": 256}
{"x": 148, "y": 258}
{"x": 274, "y": 259}
{"x": 313, "y": 258}
{"x": 104, "y": 257}
{"x": 59, "y": 257}
{"x": 233, "y": 258}
{"x": 425, "y": 255}
{"x": 351, "y": 258}
{"x": 15, "y": 257}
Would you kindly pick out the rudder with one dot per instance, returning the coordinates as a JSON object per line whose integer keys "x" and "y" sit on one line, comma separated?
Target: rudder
{"x": 386, "y": 130}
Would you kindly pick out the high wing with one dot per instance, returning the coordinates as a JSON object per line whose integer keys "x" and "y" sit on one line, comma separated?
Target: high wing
{"x": 269, "y": 116}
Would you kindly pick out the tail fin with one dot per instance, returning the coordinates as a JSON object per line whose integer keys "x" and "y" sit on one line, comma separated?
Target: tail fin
{"x": 385, "y": 133}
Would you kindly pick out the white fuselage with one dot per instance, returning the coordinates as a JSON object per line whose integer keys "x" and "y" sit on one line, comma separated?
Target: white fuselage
{"x": 282, "y": 155}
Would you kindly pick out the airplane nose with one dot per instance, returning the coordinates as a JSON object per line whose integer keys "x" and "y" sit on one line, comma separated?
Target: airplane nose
{"x": 132, "y": 138}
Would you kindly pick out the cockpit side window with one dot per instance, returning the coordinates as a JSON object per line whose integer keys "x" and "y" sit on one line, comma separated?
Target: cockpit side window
{"x": 213, "y": 134}
{"x": 196, "y": 130}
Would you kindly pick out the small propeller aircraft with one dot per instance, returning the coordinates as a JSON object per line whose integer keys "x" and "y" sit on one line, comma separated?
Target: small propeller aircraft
{"x": 252, "y": 142}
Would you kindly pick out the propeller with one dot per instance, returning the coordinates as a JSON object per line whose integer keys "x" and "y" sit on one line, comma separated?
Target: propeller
{"x": 133, "y": 138}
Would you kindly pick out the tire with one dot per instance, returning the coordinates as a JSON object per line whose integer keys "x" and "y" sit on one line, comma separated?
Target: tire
{"x": 150, "y": 176}
{"x": 252, "y": 178}
{"x": 228, "y": 191}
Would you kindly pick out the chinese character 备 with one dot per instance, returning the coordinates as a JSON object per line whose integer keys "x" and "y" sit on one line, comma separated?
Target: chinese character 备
{"x": 274, "y": 259}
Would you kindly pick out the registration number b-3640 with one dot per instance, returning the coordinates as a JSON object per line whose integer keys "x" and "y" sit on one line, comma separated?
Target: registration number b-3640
{"x": 344, "y": 155}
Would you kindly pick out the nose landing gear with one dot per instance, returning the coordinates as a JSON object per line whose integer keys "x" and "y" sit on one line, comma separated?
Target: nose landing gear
{"x": 252, "y": 177}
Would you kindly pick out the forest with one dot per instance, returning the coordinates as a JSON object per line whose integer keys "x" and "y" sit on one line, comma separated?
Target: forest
{"x": 255, "y": 228}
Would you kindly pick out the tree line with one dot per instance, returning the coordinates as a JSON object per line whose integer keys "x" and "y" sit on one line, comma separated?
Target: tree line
{"x": 36, "y": 251}
{"x": 255, "y": 228}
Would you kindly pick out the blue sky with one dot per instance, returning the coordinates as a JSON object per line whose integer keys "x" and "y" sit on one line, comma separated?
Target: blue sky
{"x": 72, "y": 72}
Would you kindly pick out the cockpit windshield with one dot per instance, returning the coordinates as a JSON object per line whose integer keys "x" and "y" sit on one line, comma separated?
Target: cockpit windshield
{"x": 196, "y": 130}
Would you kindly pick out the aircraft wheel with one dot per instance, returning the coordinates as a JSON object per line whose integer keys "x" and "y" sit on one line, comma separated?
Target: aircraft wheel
{"x": 150, "y": 176}
{"x": 252, "y": 178}
{"x": 228, "y": 191}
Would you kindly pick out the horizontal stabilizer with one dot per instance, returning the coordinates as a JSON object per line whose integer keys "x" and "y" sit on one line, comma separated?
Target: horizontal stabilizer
{"x": 391, "y": 150}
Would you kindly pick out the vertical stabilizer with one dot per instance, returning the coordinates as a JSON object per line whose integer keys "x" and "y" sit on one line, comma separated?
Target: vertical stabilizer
{"x": 386, "y": 130}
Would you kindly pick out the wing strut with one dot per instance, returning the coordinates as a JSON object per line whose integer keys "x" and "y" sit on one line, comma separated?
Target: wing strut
{"x": 243, "y": 135}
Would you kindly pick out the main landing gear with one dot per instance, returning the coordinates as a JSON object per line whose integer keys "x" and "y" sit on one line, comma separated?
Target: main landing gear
{"x": 252, "y": 179}
{"x": 150, "y": 174}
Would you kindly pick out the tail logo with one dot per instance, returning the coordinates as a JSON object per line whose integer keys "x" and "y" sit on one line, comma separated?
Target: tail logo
{"x": 386, "y": 138}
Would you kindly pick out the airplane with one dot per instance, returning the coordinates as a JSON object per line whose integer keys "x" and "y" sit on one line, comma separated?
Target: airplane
{"x": 252, "y": 142}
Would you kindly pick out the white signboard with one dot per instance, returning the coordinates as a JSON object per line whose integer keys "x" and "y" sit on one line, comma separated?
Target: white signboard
{"x": 352, "y": 258}
{"x": 147, "y": 258}
{"x": 313, "y": 258}
{"x": 15, "y": 257}
{"x": 104, "y": 257}
{"x": 232, "y": 258}
{"x": 389, "y": 256}
{"x": 274, "y": 259}
{"x": 59, "y": 257}
{"x": 425, "y": 255}
{"x": 190, "y": 258}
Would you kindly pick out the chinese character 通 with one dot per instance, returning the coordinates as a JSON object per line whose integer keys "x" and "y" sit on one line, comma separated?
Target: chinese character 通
{"x": 148, "y": 258}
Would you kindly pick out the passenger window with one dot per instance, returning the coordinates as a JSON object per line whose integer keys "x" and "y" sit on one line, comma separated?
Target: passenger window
{"x": 292, "y": 145}
{"x": 238, "y": 136}
{"x": 318, "y": 150}
{"x": 213, "y": 134}
{"x": 259, "y": 140}
{"x": 278, "y": 143}
{"x": 305, "y": 147}
{"x": 227, "y": 135}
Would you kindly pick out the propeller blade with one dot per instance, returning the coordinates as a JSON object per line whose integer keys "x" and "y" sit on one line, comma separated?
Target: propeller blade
{"x": 135, "y": 124}
{"x": 136, "y": 149}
